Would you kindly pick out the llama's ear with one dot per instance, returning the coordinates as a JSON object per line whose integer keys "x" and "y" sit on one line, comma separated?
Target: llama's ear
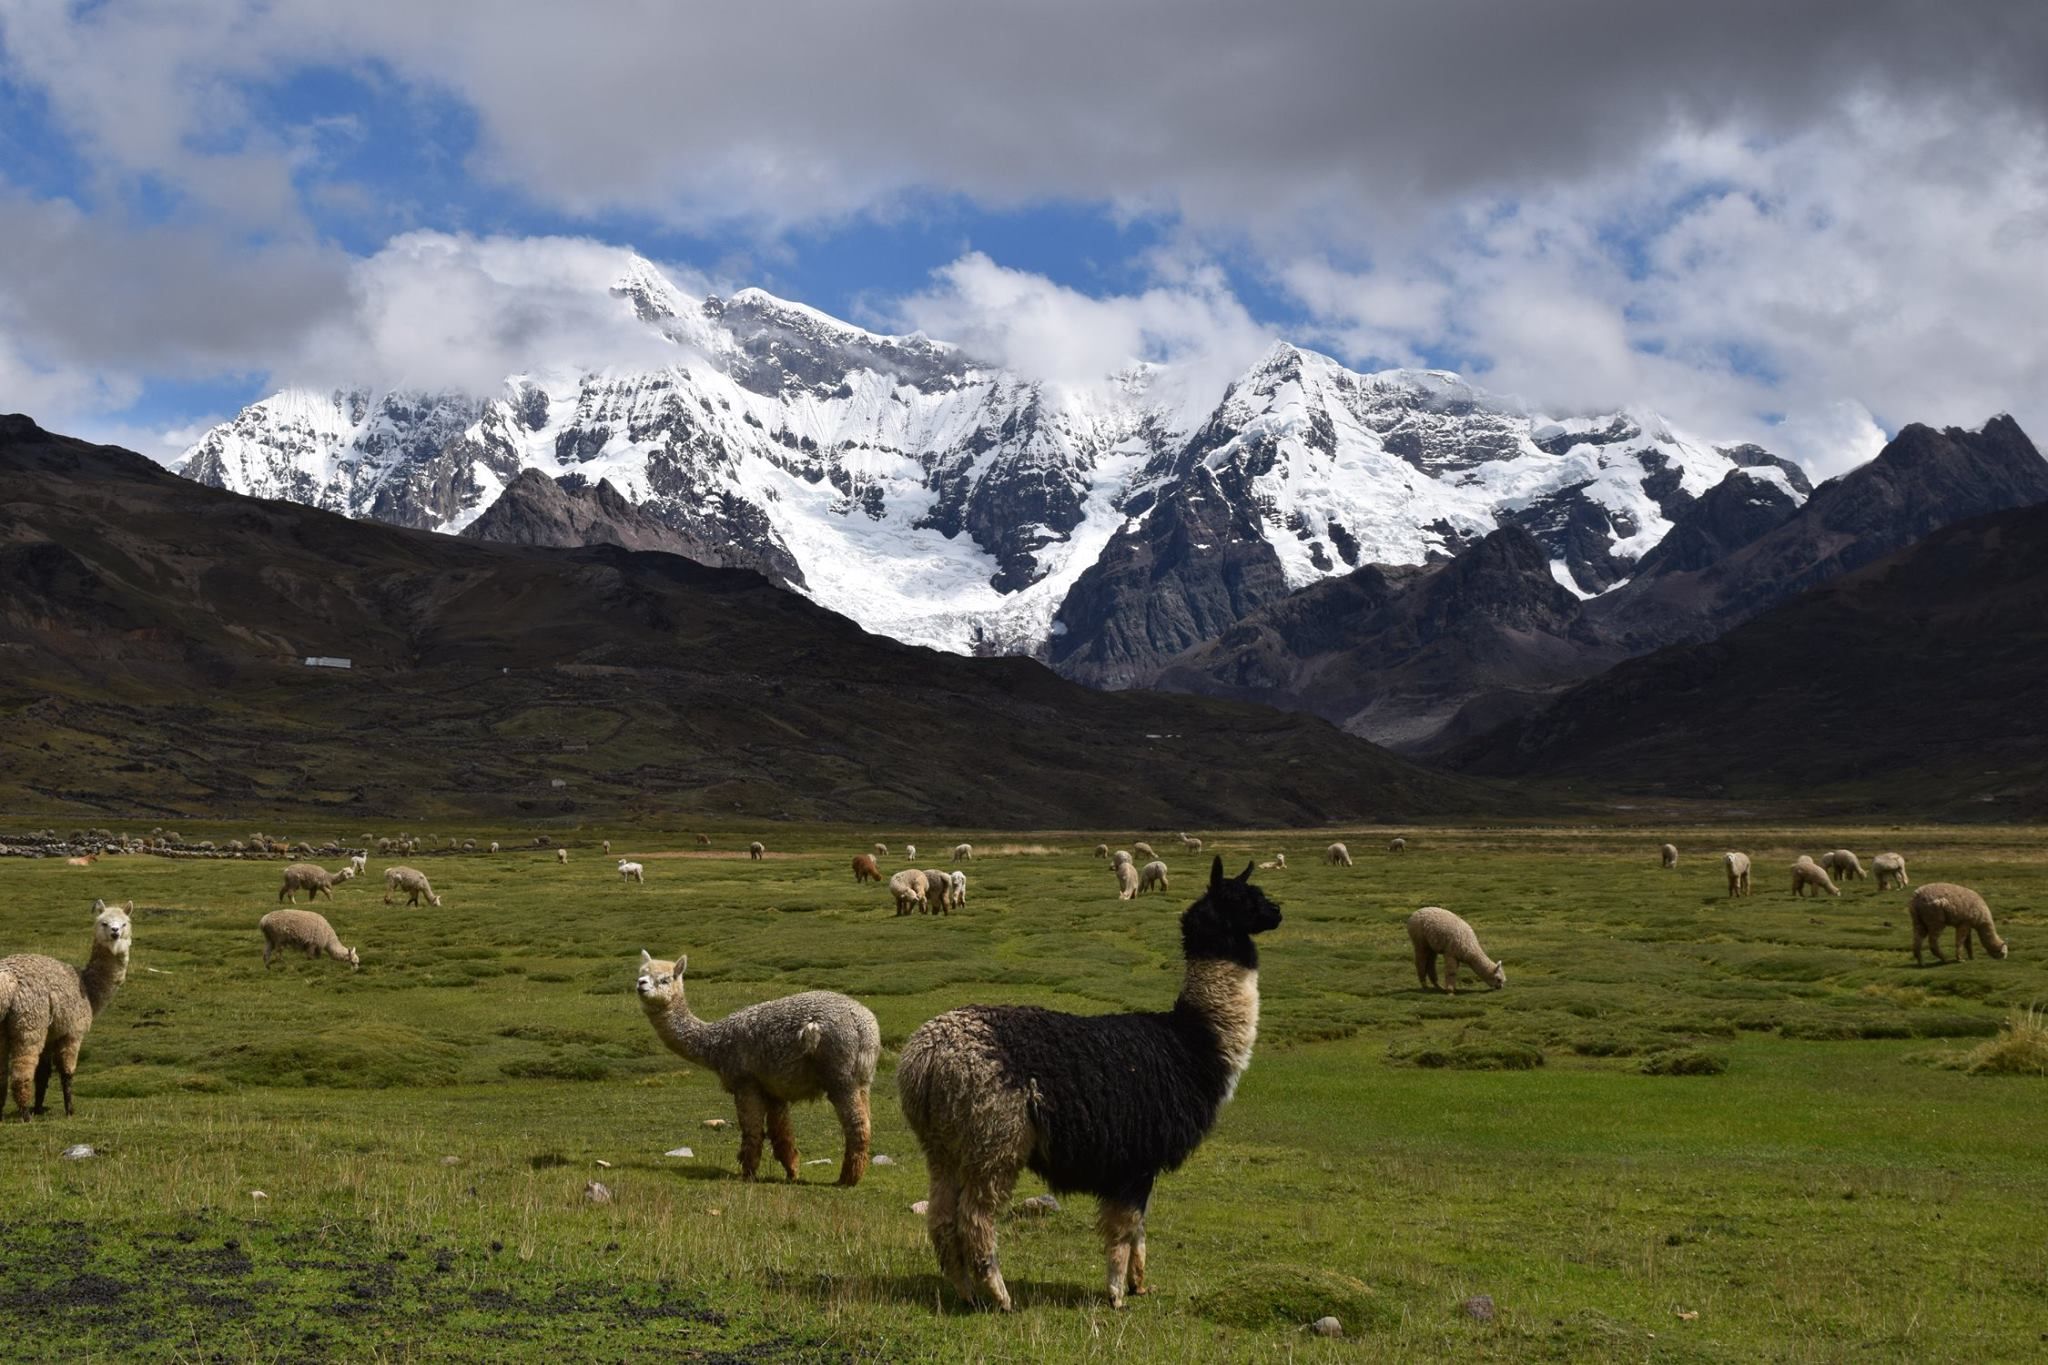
{"x": 1216, "y": 873}
{"x": 645, "y": 957}
{"x": 1246, "y": 875}
{"x": 682, "y": 963}
{"x": 98, "y": 906}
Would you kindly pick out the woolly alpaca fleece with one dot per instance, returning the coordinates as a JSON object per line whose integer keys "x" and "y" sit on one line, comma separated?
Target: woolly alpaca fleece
{"x": 908, "y": 887}
{"x": 307, "y": 931}
{"x": 1890, "y": 869}
{"x": 1807, "y": 875}
{"x": 47, "y": 1007}
{"x": 1092, "y": 1104}
{"x": 1940, "y": 905}
{"x": 1434, "y": 931}
{"x": 1844, "y": 864}
{"x": 773, "y": 1054}
{"x": 1738, "y": 873}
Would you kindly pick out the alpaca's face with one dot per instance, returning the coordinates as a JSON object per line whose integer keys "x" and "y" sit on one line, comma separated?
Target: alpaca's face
{"x": 111, "y": 930}
{"x": 1499, "y": 978}
{"x": 660, "y": 983}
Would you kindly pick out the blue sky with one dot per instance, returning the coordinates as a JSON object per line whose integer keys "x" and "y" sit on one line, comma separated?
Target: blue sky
{"x": 1801, "y": 227}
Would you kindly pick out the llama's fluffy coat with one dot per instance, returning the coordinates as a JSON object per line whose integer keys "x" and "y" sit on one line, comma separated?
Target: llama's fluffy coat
{"x": 1807, "y": 875}
{"x": 306, "y": 931}
{"x": 1092, "y": 1104}
{"x": 1434, "y": 931}
{"x": 771, "y": 1055}
{"x": 1737, "y": 865}
{"x": 1890, "y": 871}
{"x": 1941, "y": 905}
{"x": 47, "y": 1007}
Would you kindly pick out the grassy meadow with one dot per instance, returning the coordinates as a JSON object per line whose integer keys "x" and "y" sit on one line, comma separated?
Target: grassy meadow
{"x": 1689, "y": 1129}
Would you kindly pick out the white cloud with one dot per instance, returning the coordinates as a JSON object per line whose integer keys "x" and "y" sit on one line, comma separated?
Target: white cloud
{"x": 437, "y": 310}
{"x": 1028, "y": 323}
{"x": 1867, "y": 266}
{"x": 1729, "y": 213}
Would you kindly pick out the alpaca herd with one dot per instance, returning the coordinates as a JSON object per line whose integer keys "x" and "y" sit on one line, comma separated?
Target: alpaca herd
{"x": 1101, "y": 1105}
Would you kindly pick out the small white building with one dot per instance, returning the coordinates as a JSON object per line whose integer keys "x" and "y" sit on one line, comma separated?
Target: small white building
{"x": 328, "y": 661}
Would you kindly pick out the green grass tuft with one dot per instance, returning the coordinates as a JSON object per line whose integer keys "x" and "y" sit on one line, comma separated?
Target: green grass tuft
{"x": 1690, "y": 1061}
{"x": 1268, "y": 1296}
{"x": 2020, "y": 1049}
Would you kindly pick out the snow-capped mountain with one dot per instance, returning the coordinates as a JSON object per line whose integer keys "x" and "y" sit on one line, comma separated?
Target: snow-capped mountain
{"x": 946, "y": 502}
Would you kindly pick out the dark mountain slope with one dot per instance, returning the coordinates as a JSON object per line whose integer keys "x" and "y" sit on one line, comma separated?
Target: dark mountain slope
{"x": 1423, "y": 660}
{"x": 154, "y": 631}
{"x": 537, "y": 510}
{"x": 1914, "y": 685}
{"x": 1922, "y": 480}
{"x": 1396, "y": 654}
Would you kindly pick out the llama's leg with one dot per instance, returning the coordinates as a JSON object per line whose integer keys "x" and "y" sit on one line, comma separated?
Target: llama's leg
{"x": 21, "y": 1073}
{"x": 983, "y": 1193}
{"x": 942, "y": 1220}
{"x": 753, "y": 1115}
{"x": 1450, "y": 973}
{"x": 1964, "y": 948}
{"x": 1424, "y": 967}
{"x": 854, "y": 1123}
{"x": 44, "y": 1064}
{"x": 1138, "y": 1285}
{"x": 67, "y": 1067}
{"x": 1123, "y": 1236}
{"x": 781, "y": 1135}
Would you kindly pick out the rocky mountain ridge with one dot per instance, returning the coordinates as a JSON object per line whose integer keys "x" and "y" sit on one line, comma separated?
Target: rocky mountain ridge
{"x": 941, "y": 500}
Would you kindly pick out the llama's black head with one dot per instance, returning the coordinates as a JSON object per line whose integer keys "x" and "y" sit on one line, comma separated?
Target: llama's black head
{"x": 1222, "y": 922}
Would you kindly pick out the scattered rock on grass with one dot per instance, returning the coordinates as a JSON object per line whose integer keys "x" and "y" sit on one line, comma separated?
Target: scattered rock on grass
{"x": 714, "y": 1123}
{"x": 920, "y": 1206}
{"x": 1327, "y": 1327}
{"x": 679, "y": 1151}
{"x": 597, "y": 1192}
{"x": 81, "y": 1151}
{"x": 883, "y": 1161}
{"x": 1479, "y": 1308}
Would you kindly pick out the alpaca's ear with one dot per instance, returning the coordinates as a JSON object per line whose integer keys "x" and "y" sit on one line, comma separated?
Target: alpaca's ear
{"x": 98, "y": 906}
{"x": 682, "y": 963}
{"x": 645, "y": 957}
{"x": 1216, "y": 873}
{"x": 1246, "y": 875}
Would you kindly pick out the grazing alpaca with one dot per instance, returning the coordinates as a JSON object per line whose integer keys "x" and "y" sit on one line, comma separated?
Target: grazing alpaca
{"x": 770, "y": 1055}
{"x": 1941, "y": 905}
{"x": 1093, "y": 1104}
{"x": 1435, "y": 932}
{"x": 864, "y": 869}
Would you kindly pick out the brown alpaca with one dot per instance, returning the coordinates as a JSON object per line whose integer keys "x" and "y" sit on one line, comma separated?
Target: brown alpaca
{"x": 47, "y": 1006}
{"x": 771, "y": 1055}
{"x": 864, "y": 869}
